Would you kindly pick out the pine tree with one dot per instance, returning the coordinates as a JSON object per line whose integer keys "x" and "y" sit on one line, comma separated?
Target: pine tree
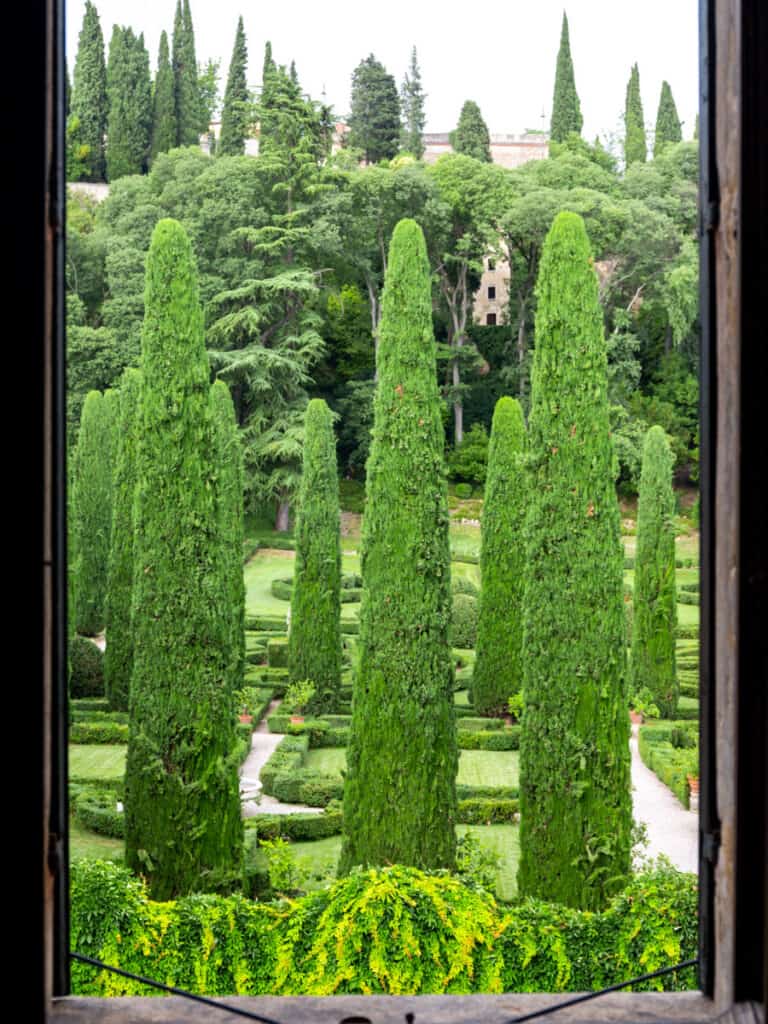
{"x": 374, "y": 121}
{"x": 89, "y": 95}
{"x": 182, "y": 814}
{"x": 185, "y": 84}
{"x": 634, "y": 123}
{"x": 92, "y": 506}
{"x": 236, "y": 114}
{"x": 566, "y": 109}
{"x": 575, "y": 802}
{"x": 314, "y": 641}
{"x": 654, "y": 619}
{"x": 164, "y": 128}
{"x": 118, "y": 656}
{"x": 129, "y": 88}
{"x": 412, "y": 103}
{"x": 498, "y": 671}
{"x": 470, "y": 136}
{"x": 229, "y": 458}
{"x": 668, "y": 127}
{"x": 400, "y": 787}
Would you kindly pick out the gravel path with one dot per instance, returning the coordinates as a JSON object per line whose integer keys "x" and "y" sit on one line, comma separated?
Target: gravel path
{"x": 253, "y": 801}
{"x": 672, "y": 829}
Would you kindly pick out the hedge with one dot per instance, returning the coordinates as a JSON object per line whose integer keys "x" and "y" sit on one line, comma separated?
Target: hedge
{"x": 476, "y": 811}
{"x": 457, "y": 937}
{"x": 687, "y": 632}
{"x": 277, "y": 653}
{"x": 672, "y": 753}
{"x": 89, "y": 704}
{"x": 685, "y": 597}
{"x": 350, "y": 626}
{"x": 282, "y": 589}
{"x": 87, "y": 668}
{"x": 296, "y": 827}
{"x": 77, "y": 714}
{"x": 260, "y": 623}
{"x": 508, "y": 739}
{"x": 464, "y": 614}
{"x": 98, "y": 732}
{"x": 95, "y": 809}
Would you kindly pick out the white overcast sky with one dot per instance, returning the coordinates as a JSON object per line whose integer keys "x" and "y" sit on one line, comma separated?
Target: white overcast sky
{"x": 501, "y": 54}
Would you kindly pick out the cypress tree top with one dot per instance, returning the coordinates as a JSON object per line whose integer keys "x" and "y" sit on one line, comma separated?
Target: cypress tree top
{"x": 566, "y": 109}
{"x": 574, "y": 753}
{"x": 89, "y": 92}
{"x": 668, "y": 128}
{"x": 235, "y": 112}
{"x": 374, "y": 120}
{"x": 635, "y": 150}
{"x": 164, "y": 128}
{"x": 470, "y": 136}
{"x": 400, "y": 791}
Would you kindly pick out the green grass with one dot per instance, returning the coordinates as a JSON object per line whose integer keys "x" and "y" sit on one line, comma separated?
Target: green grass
{"x": 461, "y": 698}
{"x": 88, "y": 844}
{"x": 267, "y": 565}
{"x": 97, "y": 761}
{"x": 488, "y": 768}
{"x": 327, "y": 760}
{"x": 317, "y": 860}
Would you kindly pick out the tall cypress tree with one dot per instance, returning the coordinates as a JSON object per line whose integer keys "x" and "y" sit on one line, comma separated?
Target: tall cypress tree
{"x": 374, "y": 120}
{"x": 229, "y": 459}
{"x": 498, "y": 671}
{"x": 182, "y": 814}
{"x": 314, "y": 641}
{"x": 635, "y": 150}
{"x": 566, "y": 109}
{"x": 412, "y": 103}
{"x": 130, "y": 104}
{"x": 470, "y": 136}
{"x": 92, "y": 507}
{"x": 668, "y": 127}
{"x": 118, "y": 657}
{"x": 164, "y": 128}
{"x": 236, "y": 116}
{"x": 185, "y": 84}
{"x": 575, "y": 802}
{"x": 654, "y": 619}
{"x": 400, "y": 787}
{"x": 89, "y": 94}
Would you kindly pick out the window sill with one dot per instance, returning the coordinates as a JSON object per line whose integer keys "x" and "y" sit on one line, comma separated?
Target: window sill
{"x": 645, "y": 1007}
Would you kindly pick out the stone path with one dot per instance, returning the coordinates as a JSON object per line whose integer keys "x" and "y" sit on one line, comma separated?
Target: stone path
{"x": 253, "y": 801}
{"x": 672, "y": 829}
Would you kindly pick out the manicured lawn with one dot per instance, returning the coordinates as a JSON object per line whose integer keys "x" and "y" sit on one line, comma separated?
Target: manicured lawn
{"x": 318, "y": 858}
{"x": 687, "y": 614}
{"x": 461, "y": 698}
{"x": 97, "y": 761}
{"x": 327, "y": 760}
{"x": 488, "y": 768}
{"x": 466, "y": 570}
{"x": 89, "y": 844}
{"x": 269, "y": 564}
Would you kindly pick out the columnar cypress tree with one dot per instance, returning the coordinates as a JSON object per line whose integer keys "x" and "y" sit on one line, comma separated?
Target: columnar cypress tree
{"x": 130, "y": 104}
{"x": 400, "y": 787}
{"x": 185, "y": 84}
{"x": 164, "y": 127}
{"x": 575, "y": 803}
{"x": 182, "y": 815}
{"x": 374, "y": 119}
{"x": 566, "y": 109}
{"x": 498, "y": 671}
{"x": 314, "y": 642}
{"x": 470, "y": 136}
{"x": 654, "y": 618}
{"x": 118, "y": 657}
{"x": 668, "y": 127}
{"x": 412, "y": 103}
{"x": 235, "y": 116}
{"x": 92, "y": 505}
{"x": 634, "y": 123}
{"x": 229, "y": 458}
{"x": 89, "y": 93}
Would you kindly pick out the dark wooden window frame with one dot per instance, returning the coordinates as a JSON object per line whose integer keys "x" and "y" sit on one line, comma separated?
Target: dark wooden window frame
{"x": 734, "y": 860}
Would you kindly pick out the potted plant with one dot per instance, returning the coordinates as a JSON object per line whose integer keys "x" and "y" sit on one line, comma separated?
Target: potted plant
{"x": 241, "y": 701}
{"x": 297, "y": 697}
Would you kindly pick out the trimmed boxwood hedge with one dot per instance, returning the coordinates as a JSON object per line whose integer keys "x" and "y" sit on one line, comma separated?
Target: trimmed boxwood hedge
{"x": 459, "y": 938}
{"x": 87, "y": 668}
{"x": 506, "y": 739}
{"x": 671, "y": 751}
{"x": 296, "y": 827}
{"x": 98, "y": 732}
{"x": 351, "y": 590}
{"x": 686, "y": 597}
{"x": 95, "y": 809}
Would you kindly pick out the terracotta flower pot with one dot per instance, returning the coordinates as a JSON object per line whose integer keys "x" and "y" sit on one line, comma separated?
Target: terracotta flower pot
{"x": 297, "y": 719}
{"x": 246, "y": 718}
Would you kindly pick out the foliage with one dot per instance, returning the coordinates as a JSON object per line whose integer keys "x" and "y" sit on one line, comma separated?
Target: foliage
{"x": 469, "y": 460}
{"x": 92, "y": 510}
{"x": 634, "y": 122}
{"x": 118, "y": 658}
{"x": 498, "y": 670}
{"x": 574, "y": 754}
{"x": 668, "y": 128}
{"x": 672, "y": 752}
{"x": 186, "y": 87}
{"x": 399, "y": 793}
{"x": 350, "y": 937}
{"x": 476, "y": 866}
{"x": 655, "y": 599}
{"x": 299, "y": 695}
{"x": 182, "y": 801}
{"x": 89, "y": 105}
{"x": 470, "y": 137}
{"x": 129, "y": 91}
{"x": 284, "y": 874}
{"x": 314, "y": 642}
{"x": 412, "y": 104}
{"x": 464, "y": 612}
{"x": 164, "y": 127}
{"x": 236, "y": 113}
{"x": 86, "y": 668}
{"x": 566, "y": 109}
{"x": 374, "y": 119}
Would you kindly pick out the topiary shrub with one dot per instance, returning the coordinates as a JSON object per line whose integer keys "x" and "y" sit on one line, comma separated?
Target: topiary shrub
{"x": 468, "y": 461}
{"x": 463, "y": 491}
{"x": 464, "y": 585}
{"x": 87, "y": 661}
{"x": 464, "y": 615}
